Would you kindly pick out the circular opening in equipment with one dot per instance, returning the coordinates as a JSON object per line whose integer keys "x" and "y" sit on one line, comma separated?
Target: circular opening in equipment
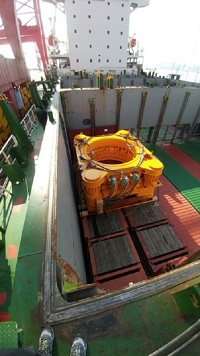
{"x": 112, "y": 151}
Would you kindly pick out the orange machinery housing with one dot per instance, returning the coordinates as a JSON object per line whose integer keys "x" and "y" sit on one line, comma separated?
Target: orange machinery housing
{"x": 116, "y": 171}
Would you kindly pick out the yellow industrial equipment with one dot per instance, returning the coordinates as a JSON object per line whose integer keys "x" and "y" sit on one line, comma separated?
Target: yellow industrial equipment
{"x": 116, "y": 170}
{"x": 26, "y": 97}
{"x": 4, "y": 128}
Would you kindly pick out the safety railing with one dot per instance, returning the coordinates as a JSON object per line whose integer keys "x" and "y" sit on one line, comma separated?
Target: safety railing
{"x": 5, "y": 157}
{"x": 29, "y": 121}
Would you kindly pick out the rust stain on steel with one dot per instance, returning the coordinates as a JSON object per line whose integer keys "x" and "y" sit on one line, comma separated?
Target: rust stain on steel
{"x": 141, "y": 112}
{"x": 69, "y": 275}
{"x": 118, "y": 107}
{"x": 54, "y": 239}
{"x": 92, "y": 327}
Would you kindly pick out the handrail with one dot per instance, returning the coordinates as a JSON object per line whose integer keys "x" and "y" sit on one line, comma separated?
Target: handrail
{"x": 180, "y": 342}
{"x": 4, "y": 152}
{"x": 29, "y": 121}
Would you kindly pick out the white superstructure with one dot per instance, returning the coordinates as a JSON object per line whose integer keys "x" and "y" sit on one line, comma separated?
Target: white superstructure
{"x": 98, "y": 33}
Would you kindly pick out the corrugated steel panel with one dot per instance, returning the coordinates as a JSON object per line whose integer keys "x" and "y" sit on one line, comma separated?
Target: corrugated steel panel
{"x": 160, "y": 240}
{"x": 105, "y": 224}
{"x": 114, "y": 259}
{"x": 113, "y": 254}
{"x": 139, "y": 215}
{"x": 12, "y": 70}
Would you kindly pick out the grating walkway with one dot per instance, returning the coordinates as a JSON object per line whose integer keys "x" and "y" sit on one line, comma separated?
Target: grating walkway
{"x": 8, "y": 335}
{"x": 191, "y": 165}
{"x": 188, "y": 185}
{"x": 183, "y": 218}
{"x": 192, "y": 149}
{"x": 196, "y": 143}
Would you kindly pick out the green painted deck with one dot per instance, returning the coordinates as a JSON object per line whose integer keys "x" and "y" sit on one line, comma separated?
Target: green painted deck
{"x": 134, "y": 328}
{"x": 22, "y": 253}
{"x": 188, "y": 185}
{"x": 192, "y": 149}
{"x": 196, "y": 143}
{"x": 9, "y": 334}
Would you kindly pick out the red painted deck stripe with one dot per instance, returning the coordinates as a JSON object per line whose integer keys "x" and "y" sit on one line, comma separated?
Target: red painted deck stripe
{"x": 184, "y": 219}
{"x": 17, "y": 205}
{"x": 12, "y": 252}
{"x": 4, "y": 316}
{"x": 3, "y": 297}
{"x": 192, "y": 166}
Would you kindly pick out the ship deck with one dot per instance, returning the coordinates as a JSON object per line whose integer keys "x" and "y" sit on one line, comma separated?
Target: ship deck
{"x": 121, "y": 252}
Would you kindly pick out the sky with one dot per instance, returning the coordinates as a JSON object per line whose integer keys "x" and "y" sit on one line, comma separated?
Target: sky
{"x": 167, "y": 30}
